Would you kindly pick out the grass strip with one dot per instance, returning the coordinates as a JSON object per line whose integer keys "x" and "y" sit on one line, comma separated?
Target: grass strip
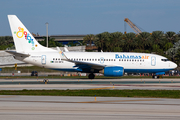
{"x": 98, "y": 93}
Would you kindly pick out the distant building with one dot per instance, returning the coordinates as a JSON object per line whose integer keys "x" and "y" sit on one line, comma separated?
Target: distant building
{"x": 63, "y": 38}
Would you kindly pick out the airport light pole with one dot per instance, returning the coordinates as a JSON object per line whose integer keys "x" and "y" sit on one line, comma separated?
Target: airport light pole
{"x": 47, "y": 33}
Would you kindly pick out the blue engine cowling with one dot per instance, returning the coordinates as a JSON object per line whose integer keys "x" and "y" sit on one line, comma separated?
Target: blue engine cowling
{"x": 113, "y": 71}
{"x": 160, "y": 73}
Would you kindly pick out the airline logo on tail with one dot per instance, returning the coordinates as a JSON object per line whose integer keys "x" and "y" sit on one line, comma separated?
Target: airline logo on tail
{"x": 27, "y": 36}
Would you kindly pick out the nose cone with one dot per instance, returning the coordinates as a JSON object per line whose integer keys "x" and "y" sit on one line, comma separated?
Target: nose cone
{"x": 173, "y": 65}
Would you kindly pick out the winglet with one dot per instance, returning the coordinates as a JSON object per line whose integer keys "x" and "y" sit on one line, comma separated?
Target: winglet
{"x": 65, "y": 48}
{"x": 62, "y": 55}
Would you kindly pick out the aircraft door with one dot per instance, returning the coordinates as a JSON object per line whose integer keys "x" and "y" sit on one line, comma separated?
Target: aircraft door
{"x": 101, "y": 60}
{"x": 153, "y": 60}
{"x": 43, "y": 59}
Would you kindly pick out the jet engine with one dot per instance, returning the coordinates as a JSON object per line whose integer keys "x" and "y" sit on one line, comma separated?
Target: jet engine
{"x": 113, "y": 71}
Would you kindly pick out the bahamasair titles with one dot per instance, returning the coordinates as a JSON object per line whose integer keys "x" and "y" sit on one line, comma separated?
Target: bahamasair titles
{"x": 108, "y": 63}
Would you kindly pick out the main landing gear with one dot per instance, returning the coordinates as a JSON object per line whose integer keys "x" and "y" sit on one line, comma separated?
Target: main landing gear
{"x": 157, "y": 76}
{"x": 91, "y": 76}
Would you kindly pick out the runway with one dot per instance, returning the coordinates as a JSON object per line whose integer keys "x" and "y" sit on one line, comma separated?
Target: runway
{"x": 14, "y": 107}
{"x": 64, "y": 84}
{"x": 86, "y": 108}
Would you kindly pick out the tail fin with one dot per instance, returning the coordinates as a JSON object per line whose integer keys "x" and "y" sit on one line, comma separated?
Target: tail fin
{"x": 23, "y": 40}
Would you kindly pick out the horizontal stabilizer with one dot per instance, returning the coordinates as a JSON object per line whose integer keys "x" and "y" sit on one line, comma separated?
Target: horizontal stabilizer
{"x": 9, "y": 64}
{"x": 18, "y": 54}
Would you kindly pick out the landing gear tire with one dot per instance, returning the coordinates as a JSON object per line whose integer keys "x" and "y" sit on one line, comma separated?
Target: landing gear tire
{"x": 155, "y": 76}
{"x": 91, "y": 76}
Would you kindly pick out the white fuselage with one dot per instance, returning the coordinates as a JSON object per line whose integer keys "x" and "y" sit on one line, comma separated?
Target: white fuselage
{"x": 131, "y": 62}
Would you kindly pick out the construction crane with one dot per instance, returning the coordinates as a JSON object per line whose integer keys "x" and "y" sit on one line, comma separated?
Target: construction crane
{"x": 132, "y": 25}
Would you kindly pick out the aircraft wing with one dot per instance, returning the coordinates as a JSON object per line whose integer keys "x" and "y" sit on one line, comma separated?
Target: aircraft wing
{"x": 18, "y": 54}
{"x": 81, "y": 64}
{"x": 87, "y": 65}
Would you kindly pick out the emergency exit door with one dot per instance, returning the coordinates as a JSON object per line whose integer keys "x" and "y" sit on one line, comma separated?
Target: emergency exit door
{"x": 153, "y": 61}
{"x": 43, "y": 59}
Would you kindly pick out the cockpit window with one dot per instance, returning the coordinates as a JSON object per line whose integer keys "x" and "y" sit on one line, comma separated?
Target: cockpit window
{"x": 164, "y": 60}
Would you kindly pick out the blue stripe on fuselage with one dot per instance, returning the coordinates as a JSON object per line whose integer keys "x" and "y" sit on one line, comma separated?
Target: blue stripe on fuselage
{"x": 125, "y": 70}
{"x": 146, "y": 70}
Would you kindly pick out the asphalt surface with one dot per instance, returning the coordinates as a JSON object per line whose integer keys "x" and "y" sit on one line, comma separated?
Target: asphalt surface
{"x": 86, "y": 108}
{"x": 14, "y": 107}
{"x": 63, "y": 84}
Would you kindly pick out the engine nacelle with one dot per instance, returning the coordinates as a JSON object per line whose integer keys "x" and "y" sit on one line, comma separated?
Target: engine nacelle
{"x": 160, "y": 73}
{"x": 113, "y": 71}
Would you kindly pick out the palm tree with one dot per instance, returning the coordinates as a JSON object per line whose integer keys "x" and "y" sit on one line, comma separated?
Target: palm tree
{"x": 168, "y": 45}
{"x": 156, "y": 37}
{"x": 130, "y": 42}
{"x": 143, "y": 40}
{"x": 102, "y": 41}
{"x": 171, "y": 37}
{"x": 89, "y": 39}
{"x": 177, "y": 57}
{"x": 117, "y": 38}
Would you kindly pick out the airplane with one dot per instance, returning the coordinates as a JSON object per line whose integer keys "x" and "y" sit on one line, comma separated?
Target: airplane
{"x": 108, "y": 63}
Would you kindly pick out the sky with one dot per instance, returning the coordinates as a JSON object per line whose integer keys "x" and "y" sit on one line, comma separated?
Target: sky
{"x": 81, "y": 17}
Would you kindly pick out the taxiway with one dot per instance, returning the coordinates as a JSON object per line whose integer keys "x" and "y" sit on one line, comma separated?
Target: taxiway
{"x": 86, "y": 108}
{"x": 63, "y": 84}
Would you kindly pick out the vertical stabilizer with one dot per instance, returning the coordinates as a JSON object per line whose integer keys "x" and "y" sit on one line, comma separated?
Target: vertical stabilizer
{"x": 23, "y": 40}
